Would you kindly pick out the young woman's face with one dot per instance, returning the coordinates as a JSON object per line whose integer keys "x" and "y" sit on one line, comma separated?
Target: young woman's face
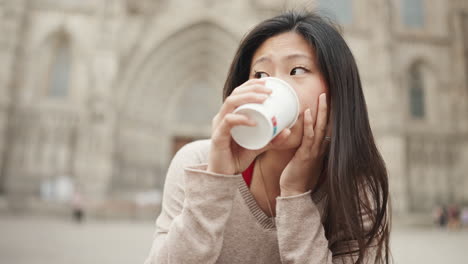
{"x": 289, "y": 56}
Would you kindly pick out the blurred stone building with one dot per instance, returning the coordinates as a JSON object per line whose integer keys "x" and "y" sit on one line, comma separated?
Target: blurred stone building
{"x": 103, "y": 92}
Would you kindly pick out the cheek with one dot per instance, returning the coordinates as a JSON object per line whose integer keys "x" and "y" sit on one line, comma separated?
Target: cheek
{"x": 308, "y": 97}
{"x": 309, "y": 100}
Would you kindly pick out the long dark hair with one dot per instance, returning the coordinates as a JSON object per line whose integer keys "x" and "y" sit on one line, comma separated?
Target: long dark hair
{"x": 356, "y": 176}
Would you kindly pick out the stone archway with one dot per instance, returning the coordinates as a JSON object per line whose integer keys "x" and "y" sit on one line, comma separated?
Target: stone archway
{"x": 180, "y": 80}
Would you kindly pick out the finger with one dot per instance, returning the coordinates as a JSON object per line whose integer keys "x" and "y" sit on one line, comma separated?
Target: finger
{"x": 325, "y": 145}
{"x": 254, "y": 81}
{"x": 281, "y": 137}
{"x": 234, "y": 101}
{"x": 214, "y": 123}
{"x": 250, "y": 82}
{"x": 256, "y": 87}
{"x": 321, "y": 125}
{"x": 329, "y": 128}
{"x": 277, "y": 141}
{"x": 229, "y": 121}
{"x": 330, "y": 118}
{"x": 308, "y": 136}
{"x": 328, "y": 133}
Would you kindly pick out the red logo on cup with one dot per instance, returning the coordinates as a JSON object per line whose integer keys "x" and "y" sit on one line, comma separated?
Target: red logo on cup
{"x": 273, "y": 120}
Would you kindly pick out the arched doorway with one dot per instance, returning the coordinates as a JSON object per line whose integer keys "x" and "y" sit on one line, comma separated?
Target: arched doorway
{"x": 174, "y": 95}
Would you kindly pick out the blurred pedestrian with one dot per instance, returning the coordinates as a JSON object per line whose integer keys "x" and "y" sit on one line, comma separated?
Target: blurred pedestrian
{"x": 440, "y": 216}
{"x": 453, "y": 217}
{"x": 464, "y": 216}
{"x": 77, "y": 207}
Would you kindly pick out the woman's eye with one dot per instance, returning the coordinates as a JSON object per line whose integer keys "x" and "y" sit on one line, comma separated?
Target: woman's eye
{"x": 260, "y": 75}
{"x": 298, "y": 70}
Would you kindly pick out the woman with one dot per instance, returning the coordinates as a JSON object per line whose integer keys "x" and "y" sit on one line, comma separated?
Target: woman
{"x": 318, "y": 193}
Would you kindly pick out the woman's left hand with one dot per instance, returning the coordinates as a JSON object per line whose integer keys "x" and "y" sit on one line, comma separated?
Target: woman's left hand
{"x": 303, "y": 171}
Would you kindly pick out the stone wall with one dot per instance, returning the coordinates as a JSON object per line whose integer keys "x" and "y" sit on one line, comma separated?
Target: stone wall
{"x": 144, "y": 73}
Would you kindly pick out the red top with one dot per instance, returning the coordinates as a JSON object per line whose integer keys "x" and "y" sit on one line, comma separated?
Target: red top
{"x": 247, "y": 174}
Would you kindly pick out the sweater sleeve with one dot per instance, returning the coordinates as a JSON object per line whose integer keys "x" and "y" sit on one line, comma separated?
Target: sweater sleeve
{"x": 195, "y": 208}
{"x": 301, "y": 235}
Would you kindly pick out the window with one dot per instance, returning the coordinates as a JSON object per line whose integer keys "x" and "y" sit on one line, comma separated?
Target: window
{"x": 413, "y": 13}
{"x": 341, "y": 9}
{"x": 59, "y": 81}
{"x": 416, "y": 90}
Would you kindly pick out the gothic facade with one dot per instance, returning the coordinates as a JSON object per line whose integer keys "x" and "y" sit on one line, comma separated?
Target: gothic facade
{"x": 104, "y": 92}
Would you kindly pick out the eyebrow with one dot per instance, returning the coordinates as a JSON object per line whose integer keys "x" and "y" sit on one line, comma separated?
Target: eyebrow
{"x": 289, "y": 57}
{"x": 261, "y": 59}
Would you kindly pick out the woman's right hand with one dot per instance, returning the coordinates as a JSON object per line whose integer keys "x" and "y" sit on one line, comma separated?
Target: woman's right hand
{"x": 226, "y": 156}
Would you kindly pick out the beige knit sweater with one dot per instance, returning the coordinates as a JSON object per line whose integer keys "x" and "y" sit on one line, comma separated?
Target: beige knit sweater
{"x": 214, "y": 218}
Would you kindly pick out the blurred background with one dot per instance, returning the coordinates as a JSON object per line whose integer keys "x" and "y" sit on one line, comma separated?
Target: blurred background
{"x": 96, "y": 96}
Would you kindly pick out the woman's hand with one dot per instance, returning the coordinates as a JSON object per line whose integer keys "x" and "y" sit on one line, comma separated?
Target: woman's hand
{"x": 303, "y": 171}
{"x": 226, "y": 156}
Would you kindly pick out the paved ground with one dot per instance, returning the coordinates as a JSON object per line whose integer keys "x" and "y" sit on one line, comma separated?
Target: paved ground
{"x": 27, "y": 240}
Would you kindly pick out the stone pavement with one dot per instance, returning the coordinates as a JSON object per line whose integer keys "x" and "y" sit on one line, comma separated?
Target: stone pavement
{"x": 41, "y": 240}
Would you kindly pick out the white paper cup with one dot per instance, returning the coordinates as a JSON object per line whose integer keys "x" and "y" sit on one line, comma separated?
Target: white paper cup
{"x": 279, "y": 111}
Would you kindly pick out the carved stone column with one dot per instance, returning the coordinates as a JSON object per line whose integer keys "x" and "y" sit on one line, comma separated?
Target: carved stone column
{"x": 388, "y": 127}
{"x": 13, "y": 20}
{"x": 94, "y": 158}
